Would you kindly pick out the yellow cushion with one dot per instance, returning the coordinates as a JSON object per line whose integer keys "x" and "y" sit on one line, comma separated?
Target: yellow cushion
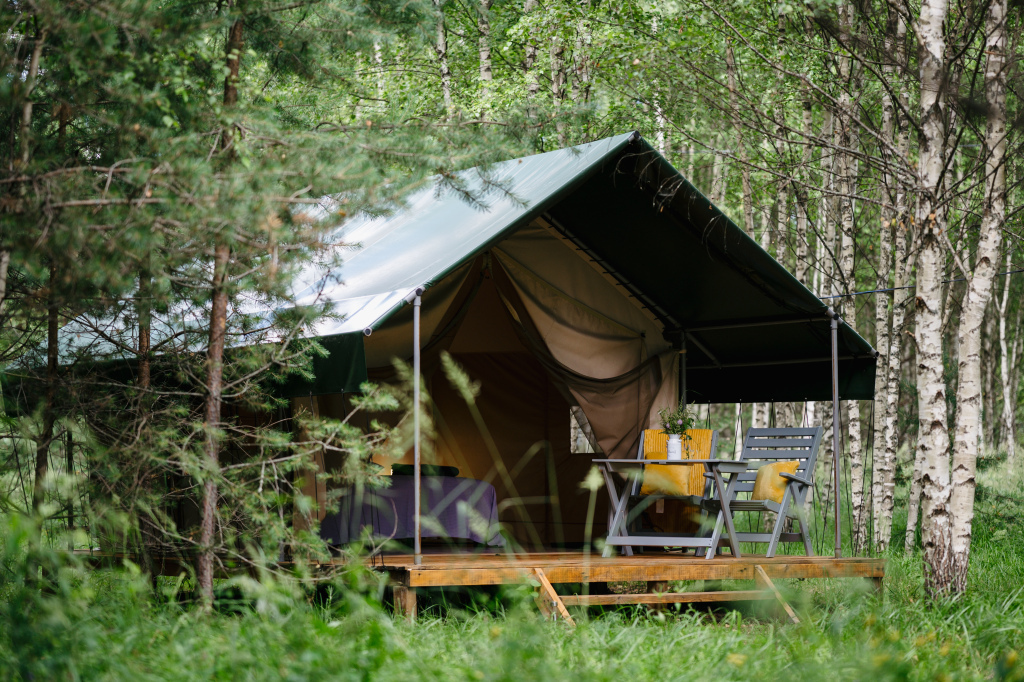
{"x": 769, "y": 485}
{"x": 675, "y": 479}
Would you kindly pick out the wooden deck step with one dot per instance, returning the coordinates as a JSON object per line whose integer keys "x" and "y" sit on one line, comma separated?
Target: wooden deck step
{"x": 665, "y": 598}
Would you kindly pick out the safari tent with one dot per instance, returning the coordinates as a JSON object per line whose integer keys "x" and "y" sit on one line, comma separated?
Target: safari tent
{"x": 596, "y": 280}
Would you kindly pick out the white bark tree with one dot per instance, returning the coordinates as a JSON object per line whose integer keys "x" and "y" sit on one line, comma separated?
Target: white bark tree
{"x": 441, "y": 50}
{"x": 979, "y": 291}
{"x": 741, "y": 148}
{"x": 933, "y": 435}
{"x": 530, "y": 61}
{"x": 895, "y": 226}
{"x": 483, "y": 23}
{"x": 1006, "y": 364}
{"x": 848, "y": 142}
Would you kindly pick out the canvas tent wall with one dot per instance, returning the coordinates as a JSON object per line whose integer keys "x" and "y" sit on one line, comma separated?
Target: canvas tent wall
{"x": 579, "y": 285}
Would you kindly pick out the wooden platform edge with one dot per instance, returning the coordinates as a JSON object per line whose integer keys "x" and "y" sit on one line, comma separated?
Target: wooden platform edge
{"x": 627, "y": 571}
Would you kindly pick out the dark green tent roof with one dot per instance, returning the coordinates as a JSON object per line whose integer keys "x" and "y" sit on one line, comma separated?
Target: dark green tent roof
{"x": 753, "y": 333}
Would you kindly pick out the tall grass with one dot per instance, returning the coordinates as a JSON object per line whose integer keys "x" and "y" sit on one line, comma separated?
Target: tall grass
{"x": 110, "y": 625}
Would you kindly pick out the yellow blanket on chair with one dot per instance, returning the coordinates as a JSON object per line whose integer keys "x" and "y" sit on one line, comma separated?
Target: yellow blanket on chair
{"x": 675, "y": 479}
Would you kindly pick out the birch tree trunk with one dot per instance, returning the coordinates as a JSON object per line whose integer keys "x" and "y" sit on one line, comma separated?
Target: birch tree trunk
{"x": 486, "y": 73}
{"x": 557, "y": 70}
{"x": 979, "y": 291}
{"x": 691, "y": 158}
{"x": 737, "y": 446}
{"x": 826, "y": 214}
{"x": 933, "y": 439}
{"x": 903, "y": 265}
{"x": 441, "y": 50}
{"x": 581, "y": 56}
{"x": 1006, "y": 364}
{"x": 5, "y": 262}
{"x": 890, "y": 256}
{"x": 741, "y": 148}
{"x": 883, "y": 320}
{"x": 827, "y": 286}
{"x": 802, "y": 247}
{"x": 717, "y": 191}
{"x": 1018, "y": 350}
{"x": 913, "y": 507}
{"x": 849, "y": 141}
{"x": 558, "y": 82}
{"x": 530, "y": 60}
{"x": 988, "y": 365}
{"x": 884, "y": 499}
{"x": 782, "y": 225}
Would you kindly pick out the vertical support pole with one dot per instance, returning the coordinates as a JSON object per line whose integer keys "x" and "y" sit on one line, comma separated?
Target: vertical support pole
{"x": 417, "y": 547}
{"x": 836, "y": 425}
{"x": 69, "y": 445}
{"x": 682, "y": 369}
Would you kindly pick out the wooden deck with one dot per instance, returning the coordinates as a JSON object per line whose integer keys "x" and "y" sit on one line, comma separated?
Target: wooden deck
{"x": 547, "y": 569}
{"x": 553, "y": 568}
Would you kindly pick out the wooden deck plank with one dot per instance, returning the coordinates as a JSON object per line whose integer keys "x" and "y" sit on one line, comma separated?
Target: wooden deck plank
{"x": 664, "y": 598}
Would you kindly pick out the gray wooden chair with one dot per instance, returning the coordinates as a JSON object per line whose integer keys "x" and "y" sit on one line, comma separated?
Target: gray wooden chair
{"x": 765, "y": 446}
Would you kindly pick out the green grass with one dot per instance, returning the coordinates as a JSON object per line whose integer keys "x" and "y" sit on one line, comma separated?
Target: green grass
{"x": 109, "y": 625}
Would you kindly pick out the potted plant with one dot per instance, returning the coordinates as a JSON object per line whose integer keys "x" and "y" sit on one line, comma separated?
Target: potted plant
{"x": 676, "y": 423}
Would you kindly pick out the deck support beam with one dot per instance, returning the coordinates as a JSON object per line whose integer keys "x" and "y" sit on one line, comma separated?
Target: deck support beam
{"x": 405, "y": 602}
{"x": 548, "y": 601}
{"x": 762, "y": 579}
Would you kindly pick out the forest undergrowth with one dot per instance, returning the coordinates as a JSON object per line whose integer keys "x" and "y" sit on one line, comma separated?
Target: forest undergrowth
{"x": 112, "y": 624}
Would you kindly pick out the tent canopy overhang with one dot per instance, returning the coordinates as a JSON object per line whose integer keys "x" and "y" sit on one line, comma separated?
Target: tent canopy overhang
{"x": 750, "y": 331}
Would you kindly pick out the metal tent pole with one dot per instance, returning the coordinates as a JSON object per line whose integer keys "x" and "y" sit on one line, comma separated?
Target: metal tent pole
{"x": 682, "y": 370}
{"x": 836, "y": 425}
{"x": 416, "y": 301}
